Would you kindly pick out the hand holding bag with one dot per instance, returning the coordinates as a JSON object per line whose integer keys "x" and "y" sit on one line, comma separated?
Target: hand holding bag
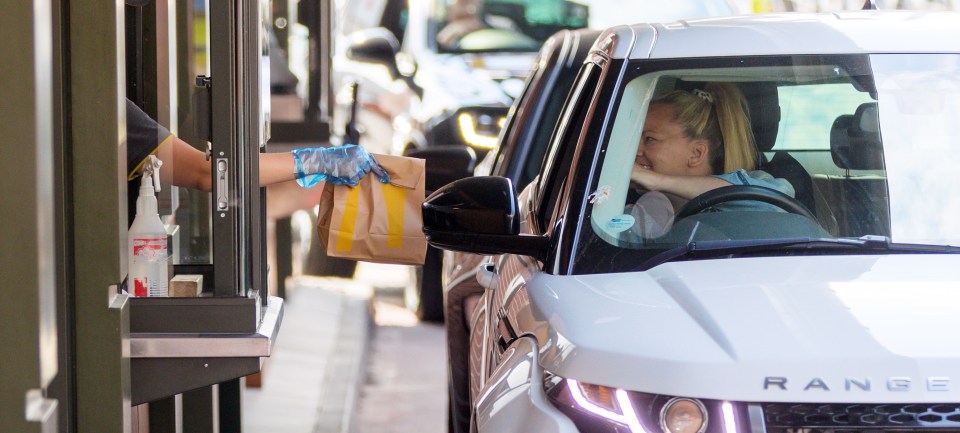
{"x": 376, "y": 222}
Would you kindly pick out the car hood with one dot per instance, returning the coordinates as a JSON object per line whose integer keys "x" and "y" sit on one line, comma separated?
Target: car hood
{"x": 485, "y": 79}
{"x": 801, "y": 329}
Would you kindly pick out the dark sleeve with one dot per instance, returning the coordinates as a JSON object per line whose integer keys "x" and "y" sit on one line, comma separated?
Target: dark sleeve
{"x": 144, "y": 137}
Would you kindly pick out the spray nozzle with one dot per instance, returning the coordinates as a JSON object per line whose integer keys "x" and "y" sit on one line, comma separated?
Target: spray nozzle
{"x": 152, "y": 168}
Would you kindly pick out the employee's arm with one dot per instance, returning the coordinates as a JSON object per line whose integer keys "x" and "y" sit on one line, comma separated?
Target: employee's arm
{"x": 189, "y": 168}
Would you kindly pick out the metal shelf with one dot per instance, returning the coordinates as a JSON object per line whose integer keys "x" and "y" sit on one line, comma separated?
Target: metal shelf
{"x": 163, "y": 364}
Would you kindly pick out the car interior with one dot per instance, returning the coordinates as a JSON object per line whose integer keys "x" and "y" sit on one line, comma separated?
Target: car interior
{"x": 829, "y": 151}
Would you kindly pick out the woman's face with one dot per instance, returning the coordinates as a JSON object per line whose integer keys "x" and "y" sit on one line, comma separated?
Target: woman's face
{"x": 663, "y": 146}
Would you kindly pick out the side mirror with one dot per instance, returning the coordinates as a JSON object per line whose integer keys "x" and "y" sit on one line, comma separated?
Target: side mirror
{"x": 479, "y": 215}
{"x": 376, "y": 45}
{"x": 445, "y": 164}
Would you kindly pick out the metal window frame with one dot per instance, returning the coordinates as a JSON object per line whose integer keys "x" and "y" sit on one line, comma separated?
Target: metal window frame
{"x": 238, "y": 134}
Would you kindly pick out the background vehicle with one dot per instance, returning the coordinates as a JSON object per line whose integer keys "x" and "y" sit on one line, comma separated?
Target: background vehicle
{"x": 438, "y": 72}
{"x": 738, "y": 319}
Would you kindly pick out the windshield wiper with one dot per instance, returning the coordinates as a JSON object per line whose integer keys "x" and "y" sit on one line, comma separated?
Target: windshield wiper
{"x": 711, "y": 249}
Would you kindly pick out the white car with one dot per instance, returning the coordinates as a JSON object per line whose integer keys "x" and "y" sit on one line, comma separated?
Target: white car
{"x": 838, "y": 312}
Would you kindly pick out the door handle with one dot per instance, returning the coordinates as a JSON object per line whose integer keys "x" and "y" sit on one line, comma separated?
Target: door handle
{"x": 487, "y": 275}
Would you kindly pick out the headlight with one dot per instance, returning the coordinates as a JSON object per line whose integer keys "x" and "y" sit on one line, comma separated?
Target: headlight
{"x": 480, "y": 130}
{"x": 596, "y": 408}
{"x": 683, "y": 415}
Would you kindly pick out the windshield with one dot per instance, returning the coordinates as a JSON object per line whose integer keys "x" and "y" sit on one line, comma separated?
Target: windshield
{"x": 831, "y": 147}
{"x": 523, "y": 25}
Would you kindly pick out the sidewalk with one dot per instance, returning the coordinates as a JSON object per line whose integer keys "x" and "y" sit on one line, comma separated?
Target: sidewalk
{"x": 312, "y": 379}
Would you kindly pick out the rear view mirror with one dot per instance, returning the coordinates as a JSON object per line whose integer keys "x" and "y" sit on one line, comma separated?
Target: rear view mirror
{"x": 376, "y": 45}
{"x": 479, "y": 215}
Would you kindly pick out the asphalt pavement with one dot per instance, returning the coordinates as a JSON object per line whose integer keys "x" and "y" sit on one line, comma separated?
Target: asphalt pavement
{"x": 405, "y": 386}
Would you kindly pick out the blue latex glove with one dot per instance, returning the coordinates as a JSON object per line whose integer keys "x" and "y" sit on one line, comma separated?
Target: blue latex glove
{"x": 342, "y": 165}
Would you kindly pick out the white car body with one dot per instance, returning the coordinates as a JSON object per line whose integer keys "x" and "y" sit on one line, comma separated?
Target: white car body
{"x": 831, "y": 329}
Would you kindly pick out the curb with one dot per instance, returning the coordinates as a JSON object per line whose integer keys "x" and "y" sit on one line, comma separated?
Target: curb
{"x": 343, "y": 376}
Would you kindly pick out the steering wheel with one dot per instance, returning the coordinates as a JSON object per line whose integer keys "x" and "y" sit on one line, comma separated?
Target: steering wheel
{"x": 730, "y": 193}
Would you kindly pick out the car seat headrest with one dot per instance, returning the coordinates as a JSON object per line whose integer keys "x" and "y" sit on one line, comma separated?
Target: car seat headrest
{"x": 855, "y": 139}
{"x": 867, "y": 119}
{"x": 764, "y": 105}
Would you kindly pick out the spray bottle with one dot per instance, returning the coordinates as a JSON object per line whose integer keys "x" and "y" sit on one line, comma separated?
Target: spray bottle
{"x": 147, "y": 238}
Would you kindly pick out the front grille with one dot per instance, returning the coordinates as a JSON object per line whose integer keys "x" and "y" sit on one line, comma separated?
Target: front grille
{"x": 786, "y": 416}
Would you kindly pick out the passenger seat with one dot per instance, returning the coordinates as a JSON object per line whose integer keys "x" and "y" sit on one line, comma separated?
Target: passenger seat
{"x": 764, "y": 105}
{"x": 861, "y": 200}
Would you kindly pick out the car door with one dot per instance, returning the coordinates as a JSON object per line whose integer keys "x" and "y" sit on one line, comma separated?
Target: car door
{"x": 507, "y": 299}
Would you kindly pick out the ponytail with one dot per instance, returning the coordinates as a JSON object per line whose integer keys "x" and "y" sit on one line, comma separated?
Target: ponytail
{"x": 733, "y": 117}
{"x": 718, "y": 114}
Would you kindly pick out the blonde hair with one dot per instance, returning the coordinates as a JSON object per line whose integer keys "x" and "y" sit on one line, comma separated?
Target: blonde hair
{"x": 718, "y": 114}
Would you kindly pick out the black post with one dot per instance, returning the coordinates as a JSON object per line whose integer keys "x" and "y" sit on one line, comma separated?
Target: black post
{"x": 231, "y": 403}
{"x": 284, "y": 240}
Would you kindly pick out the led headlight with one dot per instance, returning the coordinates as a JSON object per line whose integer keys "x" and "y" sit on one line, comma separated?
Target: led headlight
{"x": 683, "y": 415}
{"x": 596, "y": 408}
{"x": 480, "y": 130}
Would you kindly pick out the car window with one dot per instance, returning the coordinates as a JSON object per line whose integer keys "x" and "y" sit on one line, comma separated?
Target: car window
{"x": 503, "y": 25}
{"x": 540, "y": 136}
{"x": 816, "y": 121}
{"x": 528, "y": 131}
{"x": 919, "y": 106}
{"x": 808, "y": 111}
{"x": 851, "y": 147}
{"x": 625, "y": 202}
{"x": 560, "y": 153}
{"x": 507, "y": 149}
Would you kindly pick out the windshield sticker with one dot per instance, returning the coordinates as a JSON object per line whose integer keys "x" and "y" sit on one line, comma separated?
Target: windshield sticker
{"x": 620, "y": 223}
{"x": 600, "y": 195}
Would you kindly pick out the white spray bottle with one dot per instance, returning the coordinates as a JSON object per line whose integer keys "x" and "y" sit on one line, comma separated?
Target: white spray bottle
{"x": 147, "y": 239}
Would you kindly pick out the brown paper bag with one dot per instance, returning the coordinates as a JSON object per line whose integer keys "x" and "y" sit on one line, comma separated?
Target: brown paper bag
{"x": 374, "y": 222}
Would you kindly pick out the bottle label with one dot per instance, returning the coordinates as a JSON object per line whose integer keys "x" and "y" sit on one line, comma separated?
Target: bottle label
{"x": 148, "y": 267}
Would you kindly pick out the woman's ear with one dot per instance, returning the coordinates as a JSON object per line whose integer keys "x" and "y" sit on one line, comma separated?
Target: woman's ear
{"x": 699, "y": 154}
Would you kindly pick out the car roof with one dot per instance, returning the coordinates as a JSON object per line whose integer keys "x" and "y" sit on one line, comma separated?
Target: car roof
{"x": 853, "y": 32}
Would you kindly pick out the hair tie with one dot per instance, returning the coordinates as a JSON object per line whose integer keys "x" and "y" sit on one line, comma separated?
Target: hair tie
{"x": 703, "y": 94}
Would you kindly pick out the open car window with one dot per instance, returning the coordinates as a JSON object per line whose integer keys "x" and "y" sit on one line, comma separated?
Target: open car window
{"x": 863, "y": 143}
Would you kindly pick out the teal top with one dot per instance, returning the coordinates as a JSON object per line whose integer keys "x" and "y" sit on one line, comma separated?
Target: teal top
{"x": 754, "y": 178}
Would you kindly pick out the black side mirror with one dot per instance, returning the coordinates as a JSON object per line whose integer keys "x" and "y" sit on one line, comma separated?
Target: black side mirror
{"x": 445, "y": 164}
{"x": 375, "y": 45}
{"x": 479, "y": 215}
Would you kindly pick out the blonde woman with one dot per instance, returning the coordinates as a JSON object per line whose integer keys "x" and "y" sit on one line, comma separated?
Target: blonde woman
{"x": 693, "y": 142}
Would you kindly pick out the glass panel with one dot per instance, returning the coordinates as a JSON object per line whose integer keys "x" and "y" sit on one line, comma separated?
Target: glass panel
{"x": 919, "y": 108}
{"x": 160, "y": 119}
{"x": 802, "y": 131}
{"x": 808, "y": 111}
{"x": 864, "y": 146}
{"x": 194, "y": 245}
